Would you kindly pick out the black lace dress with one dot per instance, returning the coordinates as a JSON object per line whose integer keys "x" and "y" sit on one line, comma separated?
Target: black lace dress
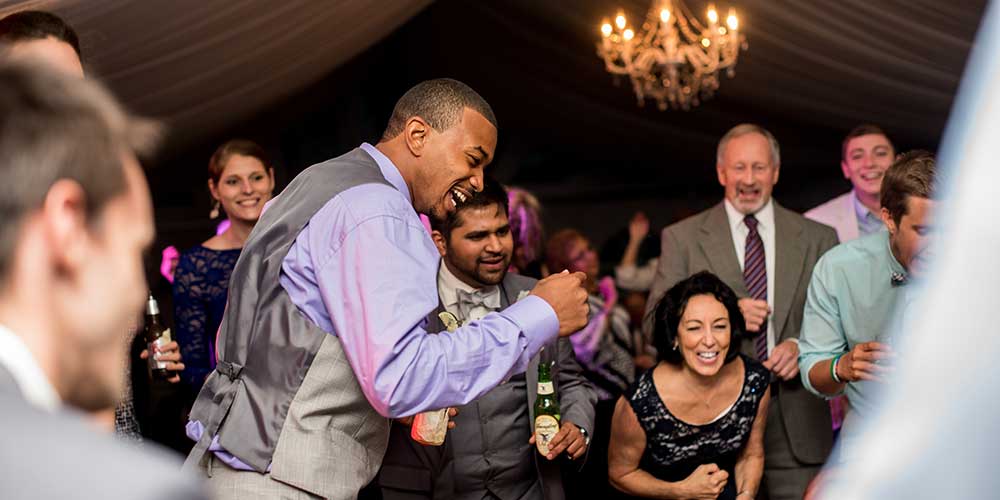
{"x": 674, "y": 449}
{"x": 201, "y": 283}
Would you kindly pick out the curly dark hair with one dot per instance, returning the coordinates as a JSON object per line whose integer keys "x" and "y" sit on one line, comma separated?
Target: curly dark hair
{"x": 668, "y": 311}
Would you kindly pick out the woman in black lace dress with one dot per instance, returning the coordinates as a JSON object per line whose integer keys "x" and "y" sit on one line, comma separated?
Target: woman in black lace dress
{"x": 693, "y": 426}
{"x": 241, "y": 180}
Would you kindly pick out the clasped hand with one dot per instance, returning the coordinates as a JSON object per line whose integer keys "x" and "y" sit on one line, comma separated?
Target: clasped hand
{"x": 865, "y": 361}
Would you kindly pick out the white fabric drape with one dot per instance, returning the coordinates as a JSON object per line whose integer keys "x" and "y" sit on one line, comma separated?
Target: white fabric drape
{"x": 202, "y": 65}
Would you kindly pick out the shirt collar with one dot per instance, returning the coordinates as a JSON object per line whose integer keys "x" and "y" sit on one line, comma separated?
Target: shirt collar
{"x": 895, "y": 268}
{"x": 27, "y": 374}
{"x": 448, "y": 283}
{"x": 860, "y": 210}
{"x": 389, "y": 170}
{"x": 765, "y": 216}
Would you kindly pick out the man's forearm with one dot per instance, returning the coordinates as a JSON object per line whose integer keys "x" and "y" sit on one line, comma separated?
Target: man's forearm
{"x": 822, "y": 380}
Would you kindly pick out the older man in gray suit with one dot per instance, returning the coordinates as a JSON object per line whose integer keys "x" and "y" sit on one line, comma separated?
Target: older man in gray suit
{"x": 766, "y": 254}
{"x": 76, "y": 218}
{"x": 490, "y": 454}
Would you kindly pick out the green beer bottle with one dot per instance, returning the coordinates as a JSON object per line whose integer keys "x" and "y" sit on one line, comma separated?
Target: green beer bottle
{"x": 546, "y": 409}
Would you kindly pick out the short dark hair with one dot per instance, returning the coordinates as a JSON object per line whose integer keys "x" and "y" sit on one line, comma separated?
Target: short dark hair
{"x": 55, "y": 127}
{"x": 860, "y": 130}
{"x": 38, "y": 25}
{"x": 669, "y": 310}
{"x": 440, "y": 103}
{"x": 912, "y": 174}
{"x": 492, "y": 194}
{"x": 242, "y": 147}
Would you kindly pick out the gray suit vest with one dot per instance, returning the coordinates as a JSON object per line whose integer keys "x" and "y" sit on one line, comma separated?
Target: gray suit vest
{"x": 283, "y": 394}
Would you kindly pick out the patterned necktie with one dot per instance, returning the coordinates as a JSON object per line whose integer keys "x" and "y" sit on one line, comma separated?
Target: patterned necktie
{"x": 755, "y": 278}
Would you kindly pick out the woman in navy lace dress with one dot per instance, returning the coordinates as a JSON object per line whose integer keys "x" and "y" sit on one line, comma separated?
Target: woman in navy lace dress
{"x": 693, "y": 425}
{"x": 241, "y": 180}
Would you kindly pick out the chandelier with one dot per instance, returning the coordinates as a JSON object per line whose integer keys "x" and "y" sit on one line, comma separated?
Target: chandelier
{"x": 675, "y": 59}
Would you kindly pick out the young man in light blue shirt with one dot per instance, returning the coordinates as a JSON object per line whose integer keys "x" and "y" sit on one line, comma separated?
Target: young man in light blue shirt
{"x": 856, "y": 287}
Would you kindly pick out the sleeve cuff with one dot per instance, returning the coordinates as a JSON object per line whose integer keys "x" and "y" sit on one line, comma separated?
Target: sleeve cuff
{"x": 804, "y": 368}
{"x": 536, "y": 319}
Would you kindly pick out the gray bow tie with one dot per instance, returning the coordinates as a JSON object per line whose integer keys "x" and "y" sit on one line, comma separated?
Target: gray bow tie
{"x": 467, "y": 301}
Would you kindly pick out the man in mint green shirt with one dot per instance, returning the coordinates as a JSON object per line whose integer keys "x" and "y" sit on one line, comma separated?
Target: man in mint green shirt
{"x": 857, "y": 286}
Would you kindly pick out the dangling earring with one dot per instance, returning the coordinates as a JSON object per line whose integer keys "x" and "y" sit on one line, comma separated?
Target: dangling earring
{"x": 214, "y": 214}
{"x": 675, "y": 345}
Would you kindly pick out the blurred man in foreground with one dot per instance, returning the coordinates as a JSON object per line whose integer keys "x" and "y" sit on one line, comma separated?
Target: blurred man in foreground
{"x": 76, "y": 218}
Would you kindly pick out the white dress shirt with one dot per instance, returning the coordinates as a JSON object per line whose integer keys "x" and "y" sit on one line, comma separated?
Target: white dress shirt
{"x": 448, "y": 283}
{"x": 17, "y": 359}
{"x": 765, "y": 227}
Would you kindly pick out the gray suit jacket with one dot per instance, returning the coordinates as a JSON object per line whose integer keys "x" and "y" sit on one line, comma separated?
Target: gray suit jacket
{"x": 704, "y": 242}
{"x": 58, "y": 456}
{"x": 410, "y": 470}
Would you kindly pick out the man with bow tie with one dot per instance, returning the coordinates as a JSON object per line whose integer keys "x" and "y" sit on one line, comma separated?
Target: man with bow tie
{"x": 857, "y": 286}
{"x": 490, "y": 453}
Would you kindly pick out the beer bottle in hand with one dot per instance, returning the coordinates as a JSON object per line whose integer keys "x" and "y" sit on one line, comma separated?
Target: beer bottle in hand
{"x": 546, "y": 409}
{"x": 156, "y": 337}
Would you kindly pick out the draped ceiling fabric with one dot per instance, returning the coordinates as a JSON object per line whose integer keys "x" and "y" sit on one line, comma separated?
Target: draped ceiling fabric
{"x": 311, "y": 79}
{"x": 202, "y": 65}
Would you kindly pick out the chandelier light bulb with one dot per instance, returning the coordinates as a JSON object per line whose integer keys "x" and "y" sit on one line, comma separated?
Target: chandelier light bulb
{"x": 713, "y": 15}
{"x": 732, "y": 20}
{"x": 665, "y": 15}
{"x": 606, "y": 28}
{"x": 620, "y": 21}
{"x": 628, "y": 34}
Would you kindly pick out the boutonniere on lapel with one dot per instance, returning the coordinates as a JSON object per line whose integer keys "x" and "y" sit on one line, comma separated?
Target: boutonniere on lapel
{"x": 523, "y": 294}
{"x": 451, "y": 323}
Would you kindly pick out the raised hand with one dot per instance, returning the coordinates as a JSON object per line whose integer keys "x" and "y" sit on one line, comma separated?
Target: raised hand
{"x": 755, "y": 312}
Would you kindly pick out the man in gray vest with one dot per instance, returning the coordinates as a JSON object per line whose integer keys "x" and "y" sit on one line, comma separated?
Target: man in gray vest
{"x": 325, "y": 335}
{"x": 489, "y": 454}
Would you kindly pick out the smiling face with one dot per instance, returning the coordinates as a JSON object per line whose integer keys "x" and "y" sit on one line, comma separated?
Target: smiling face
{"x": 243, "y": 188}
{"x": 704, "y": 335}
{"x": 747, "y": 171}
{"x": 480, "y": 248}
{"x": 452, "y": 163}
{"x": 866, "y": 158}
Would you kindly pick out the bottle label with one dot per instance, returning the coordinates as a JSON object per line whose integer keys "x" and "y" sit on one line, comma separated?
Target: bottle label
{"x": 546, "y": 427}
{"x": 161, "y": 343}
{"x": 545, "y": 388}
{"x": 430, "y": 427}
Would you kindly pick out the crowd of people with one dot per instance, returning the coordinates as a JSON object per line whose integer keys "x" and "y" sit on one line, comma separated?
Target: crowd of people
{"x": 312, "y": 328}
